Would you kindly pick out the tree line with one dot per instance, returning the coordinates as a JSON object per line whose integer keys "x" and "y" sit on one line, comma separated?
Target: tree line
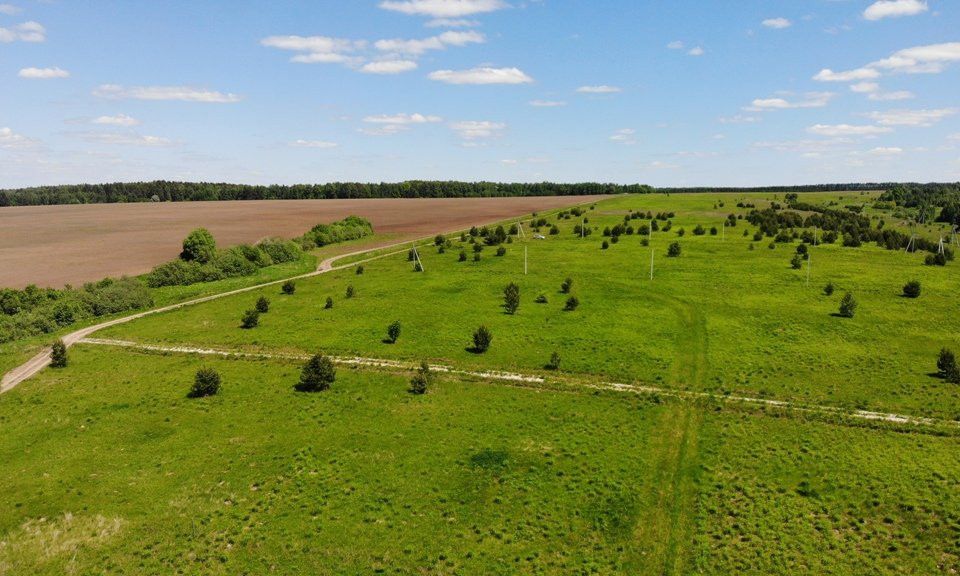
{"x": 163, "y": 191}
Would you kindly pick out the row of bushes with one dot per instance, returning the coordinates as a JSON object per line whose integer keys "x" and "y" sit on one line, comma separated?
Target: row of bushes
{"x": 242, "y": 260}
{"x": 33, "y": 311}
{"x": 350, "y": 228}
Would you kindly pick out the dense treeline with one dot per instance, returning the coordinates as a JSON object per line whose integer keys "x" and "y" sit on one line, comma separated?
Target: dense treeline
{"x": 850, "y": 187}
{"x": 926, "y": 198}
{"x": 162, "y": 191}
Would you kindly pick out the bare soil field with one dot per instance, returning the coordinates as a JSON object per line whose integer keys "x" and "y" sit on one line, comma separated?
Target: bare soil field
{"x": 57, "y": 245}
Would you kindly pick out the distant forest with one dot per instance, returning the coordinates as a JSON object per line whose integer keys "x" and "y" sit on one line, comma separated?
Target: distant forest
{"x": 162, "y": 191}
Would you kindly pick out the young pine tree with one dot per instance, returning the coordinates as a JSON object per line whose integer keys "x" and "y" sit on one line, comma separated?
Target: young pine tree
{"x": 511, "y": 298}
{"x": 58, "y": 355}
{"x": 317, "y": 375}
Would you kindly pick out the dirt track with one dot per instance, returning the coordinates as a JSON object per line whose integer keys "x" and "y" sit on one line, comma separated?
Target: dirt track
{"x": 57, "y": 245}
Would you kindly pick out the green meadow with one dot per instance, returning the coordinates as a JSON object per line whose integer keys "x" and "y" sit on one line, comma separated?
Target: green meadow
{"x": 111, "y": 468}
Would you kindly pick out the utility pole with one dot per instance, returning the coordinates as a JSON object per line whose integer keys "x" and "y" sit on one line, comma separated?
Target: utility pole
{"x": 651, "y": 263}
{"x": 809, "y": 264}
{"x": 524, "y": 260}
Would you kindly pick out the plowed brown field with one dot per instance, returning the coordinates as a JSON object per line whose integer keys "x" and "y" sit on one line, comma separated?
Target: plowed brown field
{"x": 57, "y": 245}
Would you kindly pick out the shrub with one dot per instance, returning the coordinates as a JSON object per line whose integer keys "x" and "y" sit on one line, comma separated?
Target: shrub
{"x": 250, "y": 319}
{"x": 511, "y": 298}
{"x": 411, "y": 255}
{"x": 289, "y": 287}
{"x": 478, "y": 248}
{"x": 359, "y": 270}
{"x": 476, "y": 257}
{"x": 351, "y": 292}
{"x": 605, "y": 245}
{"x": 263, "y": 305}
{"x": 935, "y": 260}
{"x": 462, "y": 257}
{"x": 541, "y": 299}
{"x": 796, "y": 262}
{"x": 947, "y": 366}
{"x": 393, "y": 331}
{"x": 848, "y": 305}
{"x": 329, "y": 303}
{"x": 501, "y": 251}
{"x": 58, "y": 355}
{"x": 438, "y": 240}
{"x": 674, "y": 250}
{"x": 199, "y": 246}
{"x": 481, "y": 340}
{"x": 828, "y": 289}
{"x": 281, "y": 250}
{"x": 205, "y": 383}
{"x": 681, "y": 232}
{"x": 422, "y": 380}
{"x": 566, "y": 286}
{"x": 713, "y": 231}
{"x": 700, "y": 230}
{"x": 554, "y": 230}
{"x": 614, "y": 239}
{"x": 572, "y": 303}
{"x": 418, "y": 267}
{"x": 554, "y": 363}
{"x": 912, "y": 289}
{"x": 317, "y": 375}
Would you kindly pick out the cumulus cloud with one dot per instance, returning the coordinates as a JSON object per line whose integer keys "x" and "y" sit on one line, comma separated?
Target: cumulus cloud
{"x": 739, "y": 119}
{"x": 864, "y": 87}
{"x": 478, "y": 129}
{"x": 388, "y": 66}
{"x": 624, "y": 136}
{"x": 443, "y": 8}
{"x": 696, "y": 51}
{"x": 118, "y": 120}
{"x": 25, "y": 32}
{"x": 482, "y": 75}
{"x": 888, "y": 96}
{"x": 11, "y": 140}
{"x": 602, "y": 89}
{"x": 418, "y": 47}
{"x": 885, "y": 151}
{"x": 894, "y": 9}
{"x": 313, "y": 144}
{"x": 177, "y": 93}
{"x": 810, "y": 100}
{"x": 451, "y": 23}
{"x": 847, "y": 130}
{"x": 43, "y": 73}
{"x": 777, "y": 23}
{"x": 675, "y": 45}
{"x": 317, "y": 49}
{"x": 9, "y": 9}
{"x": 402, "y": 119}
{"x": 547, "y": 103}
{"x": 911, "y": 117}
{"x": 828, "y": 75}
{"x": 123, "y": 139}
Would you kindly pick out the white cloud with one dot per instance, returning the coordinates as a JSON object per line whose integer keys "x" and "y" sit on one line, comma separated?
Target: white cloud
{"x": 402, "y": 119}
{"x": 482, "y": 75}
{"x": 26, "y": 32}
{"x": 388, "y": 67}
{"x": 451, "y": 23}
{"x": 509, "y": 162}
{"x": 313, "y": 144}
{"x": 624, "y": 136}
{"x": 118, "y": 120}
{"x": 178, "y": 93}
{"x": 43, "y": 73}
{"x": 10, "y": 139}
{"x": 696, "y": 51}
{"x": 828, "y": 75}
{"x": 9, "y": 9}
{"x": 675, "y": 45}
{"x": 894, "y": 9}
{"x": 929, "y": 59}
{"x": 885, "y": 151}
{"x": 865, "y": 87}
{"x": 478, "y": 129}
{"x": 911, "y": 117}
{"x": 317, "y": 49}
{"x": 847, "y": 130}
{"x": 777, "y": 23}
{"x": 954, "y": 136}
{"x": 123, "y": 139}
{"x": 547, "y": 103}
{"x": 660, "y": 165}
{"x": 418, "y": 47}
{"x": 443, "y": 8}
{"x": 810, "y": 100}
{"x": 602, "y": 89}
{"x": 739, "y": 119}
{"x": 887, "y": 96}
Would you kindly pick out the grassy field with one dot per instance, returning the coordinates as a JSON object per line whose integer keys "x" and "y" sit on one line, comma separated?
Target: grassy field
{"x": 749, "y": 323}
{"x": 118, "y": 472}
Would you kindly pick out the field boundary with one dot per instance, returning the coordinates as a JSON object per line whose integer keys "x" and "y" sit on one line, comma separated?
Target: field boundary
{"x": 544, "y": 383}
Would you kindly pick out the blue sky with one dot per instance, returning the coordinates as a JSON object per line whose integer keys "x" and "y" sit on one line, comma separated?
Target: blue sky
{"x": 677, "y": 93}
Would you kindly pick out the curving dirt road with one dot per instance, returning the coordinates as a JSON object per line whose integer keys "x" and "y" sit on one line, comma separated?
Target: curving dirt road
{"x": 14, "y": 377}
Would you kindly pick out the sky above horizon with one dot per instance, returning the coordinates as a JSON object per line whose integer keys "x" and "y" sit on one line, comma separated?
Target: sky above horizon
{"x": 680, "y": 93}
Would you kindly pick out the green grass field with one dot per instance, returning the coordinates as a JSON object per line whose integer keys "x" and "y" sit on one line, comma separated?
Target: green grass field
{"x": 114, "y": 470}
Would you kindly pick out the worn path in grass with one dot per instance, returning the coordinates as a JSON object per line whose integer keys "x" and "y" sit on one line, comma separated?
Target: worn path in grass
{"x": 14, "y": 377}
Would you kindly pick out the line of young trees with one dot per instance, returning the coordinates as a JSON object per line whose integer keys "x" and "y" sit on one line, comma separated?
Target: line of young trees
{"x": 163, "y": 191}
